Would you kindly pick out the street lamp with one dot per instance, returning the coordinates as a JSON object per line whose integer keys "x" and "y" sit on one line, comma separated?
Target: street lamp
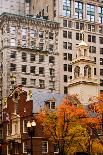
{"x": 31, "y": 132}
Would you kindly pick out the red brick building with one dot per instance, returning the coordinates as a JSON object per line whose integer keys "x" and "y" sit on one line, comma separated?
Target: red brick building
{"x": 18, "y": 111}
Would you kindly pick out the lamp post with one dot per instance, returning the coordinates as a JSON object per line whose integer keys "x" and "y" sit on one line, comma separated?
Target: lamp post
{"x": 31, "y": 132}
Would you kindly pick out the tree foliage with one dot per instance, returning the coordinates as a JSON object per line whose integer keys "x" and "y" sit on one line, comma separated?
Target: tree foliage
{"x": 69, "y": 126}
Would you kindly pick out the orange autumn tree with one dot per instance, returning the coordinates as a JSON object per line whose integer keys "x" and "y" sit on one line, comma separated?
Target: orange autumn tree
{"x": 68, "y": 126}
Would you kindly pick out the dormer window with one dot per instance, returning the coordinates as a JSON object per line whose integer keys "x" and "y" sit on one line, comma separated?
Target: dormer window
{"x": 50, "y": 105}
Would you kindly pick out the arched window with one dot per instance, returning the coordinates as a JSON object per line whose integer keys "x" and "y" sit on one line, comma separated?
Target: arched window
{"x": 87, "y": 71}
{"x": 76, "y": 71}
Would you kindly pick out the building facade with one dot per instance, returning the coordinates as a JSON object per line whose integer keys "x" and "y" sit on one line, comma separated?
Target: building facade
{"x": 16, "y": 115}
{"x": 75, "y": 16}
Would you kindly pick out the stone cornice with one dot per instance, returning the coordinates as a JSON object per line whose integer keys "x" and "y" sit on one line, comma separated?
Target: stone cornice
{"x": 7, "y": 17}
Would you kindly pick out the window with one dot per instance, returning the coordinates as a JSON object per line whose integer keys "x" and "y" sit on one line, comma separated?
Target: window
{"x": 79, "y": 36}
{"x": 9, "y": 148}
{"x": 65, "y": 23}
{"x": 41, "y": 58}
{"x": 41, "y": 70}
{"x": 13, "y": 54}
{"x": 79, "y": 26}
{"x": 69, "y": 57}
{"x": 76, "y": 71}
{"x": 51, "y": 35}
{"x": 51, "y": 59}
{"x": 32, "y": 69}
{"x": 52, "y": 85}
{"x": 91, "y": 38}
{"x": 101, "y": 61}
{"x": 92, "y": 49}
{"x": 50, "y": 105}
{"x": 32, "y": 57}
{"x": 33, "y": 33}
{"x": 101, "y": 82}
{"x": 65, "y": 90}
{"x": 101, "y": 50}
{"x": 65, "y": 67}
{"x": 69, "y": 35}
{"x": 65, "y": 34}
{"x": 101, "y": 72}
{"x": 95, "y": 72}
{"x": 17, "y": 148}
{"x": 12, "y": 42}
{"x": 69, "y": 68}
{"x": 24, "y": 56}
{"x": 91, "y": 28}
{"x": 90, "y": 12}
{"x": 78, "y": 10}
{"x": 12, "y": 29}
{"x": 101, "y": 40}
{"x": 67, "y": 8}
{"x": 95, "y": 60}
{"x": 25, "y": 146}
{"x": 65, "y": 45}
{"x": 32, "y": 44}
{"x": 87, "y": 71}
{"x": 41, "y": 84}
{"x": 33, "y": 82}
{"x": 56, "y": 149}
{"x": 101, "y": 29}
{"x": 23, "y": 43}
{"x": 24, "y": 31}
{"x": 52, "y": 72}
{"x": 8, "y": 129}
{"x": 23, "y": 81}
{"x": 44, "y": 146}
{"x": 65, "y": 78}
{"x": 24, "y": 126}
{"x": 100, "y": 11}
{"x": 12, "y": 67}
{"x": 69, "y": 24}
{"x": 51, "y": 46}
{"x": 41, "y": 46}
{"x": 41, "y": 34}
{"x": 65, "y": 56}
{"x": 43, "y": 12}
{"x": 24, "y": 68}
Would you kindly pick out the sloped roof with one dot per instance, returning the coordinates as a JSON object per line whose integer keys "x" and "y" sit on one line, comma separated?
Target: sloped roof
{"x": 39, "y": 98}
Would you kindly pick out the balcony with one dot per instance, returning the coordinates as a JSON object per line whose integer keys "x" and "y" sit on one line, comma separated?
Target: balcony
{"x": 16, "y": 137}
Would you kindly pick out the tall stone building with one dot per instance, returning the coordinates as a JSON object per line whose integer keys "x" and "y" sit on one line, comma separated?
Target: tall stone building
{"x": 75, "y": 16}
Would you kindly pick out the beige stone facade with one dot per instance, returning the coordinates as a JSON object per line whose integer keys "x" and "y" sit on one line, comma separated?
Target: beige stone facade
{"x": 29, "y": 53}
{"x": 73, "y": 17}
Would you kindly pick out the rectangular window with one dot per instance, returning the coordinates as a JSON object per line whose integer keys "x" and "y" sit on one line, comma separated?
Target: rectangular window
{"x": 69, "y": 35}
{"x": 44, "y": 146}
{"x": 24, "y": 68}
{"x": 24, "y": 125}
{"x": 52, "y": 72}
{"x": 79, "y": 26}
{"x": 95, "y": 72}
{"x": 41, "y": 70}
{"x": 41, "y": 46}
{"x": 12, "y": 67}
{"x": 65, "y": 34}
{"x": 69, "y": 57}
{"x": 41, "y": 34}
{"x": 51, "y": 59}
{"x": 32, "y": 69}
{"x": 79, "y": 36}
{"x": 9, "y": 148}
{"x": 101, "y": 40}
{"x": 32, "y": 57}
{"x": 65, "y": 45}
{"x": 78, "y": 10}
{"x": 101, "y": 50}
{"x": 69, "y": 68}
{"x": 41, "y": 58}
{"x": 90, "y": 12}
{"x": 67, "y": 8}
{"x": 23, "y": 43}
{"x": 56, "y": 149}
{"x": 91, "y": 38}
{"x": 51, "y": 35}
{"x": 101, "y": 72}
{"x": 101, "y": 82}
{"x": 41, "y": 84}
{"x": 101, "y": 61}
{"x": 64, "y": 23}
{"x": 24, "y": 31}
{"x": 65, "y": 56}
{"x": 8, "y": 129}
{"x": 13, "y": 54}
{"x": 101, "y": 29}
{"x": 92, "y": 49}
{"x": 51, "y": 46}
{"x": 24, "y": 56}
{"x": 91, "y": 28}
{"x": 69, "y": 46}
{"x": 100, "y": 11}
{"x": 65, "y": 67}
{"x": 33, "y": 33}
{"x": 23, "y": 81}
{"x": 65, "y": 78}
{"x": 52, "y": 85}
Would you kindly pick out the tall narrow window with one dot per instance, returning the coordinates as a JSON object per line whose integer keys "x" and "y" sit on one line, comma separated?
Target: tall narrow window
{"x": 67, "y": 8}
{"x": 90, "y": 12}
{"x": 79, "y": 10}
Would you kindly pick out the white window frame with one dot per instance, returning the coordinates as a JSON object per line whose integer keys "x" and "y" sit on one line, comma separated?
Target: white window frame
{"x": 46, "y": 146}
{"x": 24, "y": 147}
{"x": 24, "y": 126}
